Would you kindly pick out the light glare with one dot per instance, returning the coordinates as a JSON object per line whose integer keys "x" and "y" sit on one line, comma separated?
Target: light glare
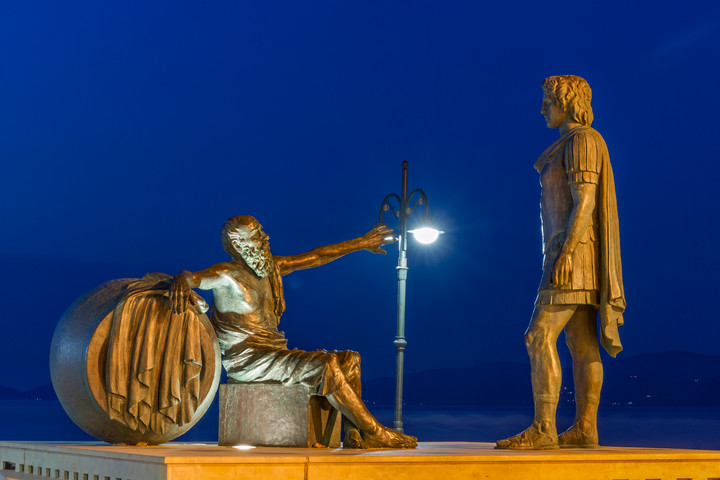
{"x": 244, "y": 447}
{"x": 426, "y": 235}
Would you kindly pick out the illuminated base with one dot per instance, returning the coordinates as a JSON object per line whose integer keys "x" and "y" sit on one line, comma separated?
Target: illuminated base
{"x": 448, "y": 461}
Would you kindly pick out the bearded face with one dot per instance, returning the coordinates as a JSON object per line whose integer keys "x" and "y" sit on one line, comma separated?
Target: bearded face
{"x": 257, "y": 257}
{"x": 251, "y": 244}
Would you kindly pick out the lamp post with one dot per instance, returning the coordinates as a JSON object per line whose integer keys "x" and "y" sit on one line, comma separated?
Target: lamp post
{"x": 426, "y": 233}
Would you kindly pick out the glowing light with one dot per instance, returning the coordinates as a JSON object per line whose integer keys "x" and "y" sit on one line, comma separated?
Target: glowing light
{"x": 244, "y": 447}
{"x": 426, "y": 235}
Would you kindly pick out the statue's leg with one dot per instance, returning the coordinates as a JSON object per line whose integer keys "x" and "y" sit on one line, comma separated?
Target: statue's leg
{"x": 348, "y": 402}
{"x": 541, "y": 342}
{"x": 350, "y": 367}
{"x": 582, "y": 340}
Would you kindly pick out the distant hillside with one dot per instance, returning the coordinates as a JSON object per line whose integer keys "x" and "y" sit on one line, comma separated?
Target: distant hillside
{"x": 669, "y": 379}
{"x": 666, "y": 379}
{"x": 45, "y": 392}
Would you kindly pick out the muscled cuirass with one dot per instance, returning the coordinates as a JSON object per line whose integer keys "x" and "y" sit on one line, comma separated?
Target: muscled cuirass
{"x": 569, "y": 161}
{"x": 556, "y": 202}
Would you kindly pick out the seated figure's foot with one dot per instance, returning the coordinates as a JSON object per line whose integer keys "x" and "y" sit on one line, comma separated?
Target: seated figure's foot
{"x": 534, "y": 438}
{"x": 353, "y": 439}
{"x": 388, "y": 438}
{"x": 582, "y": 434}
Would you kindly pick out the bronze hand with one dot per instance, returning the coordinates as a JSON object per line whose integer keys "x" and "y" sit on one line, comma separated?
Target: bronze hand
{"x": 179, "y": 295}
{"x": 562, "y": 270}
{"x": 377, "y": 237}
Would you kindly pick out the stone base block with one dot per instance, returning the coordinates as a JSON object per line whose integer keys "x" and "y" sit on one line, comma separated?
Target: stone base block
{"x": 274, "y": 416}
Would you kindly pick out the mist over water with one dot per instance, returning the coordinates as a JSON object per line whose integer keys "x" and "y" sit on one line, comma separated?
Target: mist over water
{"x": 631, "y": 427}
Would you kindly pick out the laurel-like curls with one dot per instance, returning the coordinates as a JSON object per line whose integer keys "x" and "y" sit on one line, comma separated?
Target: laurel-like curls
{"x": 573, "y": 96}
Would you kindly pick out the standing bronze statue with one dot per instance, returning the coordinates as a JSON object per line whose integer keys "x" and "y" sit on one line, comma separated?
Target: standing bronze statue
{"x": 582, "y": 275}
{"x": 248, "y": 302}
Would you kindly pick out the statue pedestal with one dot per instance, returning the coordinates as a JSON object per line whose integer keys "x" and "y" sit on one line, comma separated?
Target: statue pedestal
{"x": 274, "y": 416}
{"x": 430, "y": 461}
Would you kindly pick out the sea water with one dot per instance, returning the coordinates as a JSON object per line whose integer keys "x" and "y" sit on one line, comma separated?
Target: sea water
{"x": 632, "y": 427}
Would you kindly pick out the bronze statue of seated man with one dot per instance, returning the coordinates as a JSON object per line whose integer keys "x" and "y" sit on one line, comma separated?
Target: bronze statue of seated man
{"x": 248, "y": 301}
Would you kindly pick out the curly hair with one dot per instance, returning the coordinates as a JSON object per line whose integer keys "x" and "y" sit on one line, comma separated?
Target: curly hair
{"x": 235, "y": 229}
{"x": 573, "y": 96}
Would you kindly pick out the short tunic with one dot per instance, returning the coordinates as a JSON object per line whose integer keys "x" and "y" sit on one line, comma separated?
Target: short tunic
{"x": 575, "y": 158}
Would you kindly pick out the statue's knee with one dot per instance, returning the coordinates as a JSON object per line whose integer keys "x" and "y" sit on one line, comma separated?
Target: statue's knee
{"x": 583, "y": 349}
{"x": 575, "y": 345}
{"x": 354, "y": 358}
{"x": 352, "y": 366}
{"x": 332, "y": 361}
{"x": 531, "y": 340}
{"x": 537, "y": 340}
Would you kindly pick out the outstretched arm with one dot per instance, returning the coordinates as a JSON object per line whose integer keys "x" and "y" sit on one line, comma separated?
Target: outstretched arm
{"x": 371, "y": 241}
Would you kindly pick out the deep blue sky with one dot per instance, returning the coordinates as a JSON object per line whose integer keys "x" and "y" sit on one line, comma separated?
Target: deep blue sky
{"x": 129, "y": 132}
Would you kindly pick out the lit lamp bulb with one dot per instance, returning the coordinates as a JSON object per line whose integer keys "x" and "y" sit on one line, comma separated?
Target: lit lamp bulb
{"x": 426, "y": 232}
{"x": 426, "y": 235}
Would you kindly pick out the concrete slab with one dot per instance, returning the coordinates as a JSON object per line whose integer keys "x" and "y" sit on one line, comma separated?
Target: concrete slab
{"x": 446, "y": 460}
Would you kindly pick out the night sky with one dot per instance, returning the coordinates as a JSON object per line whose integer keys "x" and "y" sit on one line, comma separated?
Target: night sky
{"x": 129, "y": 132}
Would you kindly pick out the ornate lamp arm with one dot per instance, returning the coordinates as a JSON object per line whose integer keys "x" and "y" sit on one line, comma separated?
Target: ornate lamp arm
{"x": 386, "y": 205}
{"x": 420, "y": 201}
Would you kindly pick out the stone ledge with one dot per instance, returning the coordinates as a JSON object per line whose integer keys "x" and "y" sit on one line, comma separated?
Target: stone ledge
{"x": 446, "y": 460}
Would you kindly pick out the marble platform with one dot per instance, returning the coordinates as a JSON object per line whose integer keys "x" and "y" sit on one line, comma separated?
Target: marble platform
{"x": 445, "y": 461}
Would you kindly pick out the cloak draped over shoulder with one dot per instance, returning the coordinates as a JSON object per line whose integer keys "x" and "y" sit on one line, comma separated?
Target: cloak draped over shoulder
{"x": 612, "y": 293}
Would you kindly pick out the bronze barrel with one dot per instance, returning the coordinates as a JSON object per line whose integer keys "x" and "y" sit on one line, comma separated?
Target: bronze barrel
{"x": 127, "y": 370}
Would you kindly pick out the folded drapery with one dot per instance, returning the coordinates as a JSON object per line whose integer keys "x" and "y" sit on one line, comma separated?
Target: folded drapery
{"x": 154, "y": 358}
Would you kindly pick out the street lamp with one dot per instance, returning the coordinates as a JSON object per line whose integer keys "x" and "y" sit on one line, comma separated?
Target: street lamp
{"x": 424, "y": 233}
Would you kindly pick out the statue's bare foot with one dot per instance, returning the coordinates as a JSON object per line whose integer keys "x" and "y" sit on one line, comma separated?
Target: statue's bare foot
{"x": 388, "y": 438}
{"x": 581, "y": 435}
{"x": 531, "y": 439}
{"x": 353, "y": 439}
